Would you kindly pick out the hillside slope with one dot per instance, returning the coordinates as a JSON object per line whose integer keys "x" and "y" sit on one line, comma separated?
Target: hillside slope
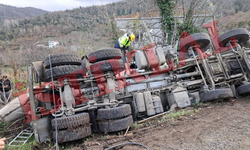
{"x": 238, "y": 20}
{"x": 94, "y": 27}
{"x": 84, "y": 25}
{"x": 11, "y": 12}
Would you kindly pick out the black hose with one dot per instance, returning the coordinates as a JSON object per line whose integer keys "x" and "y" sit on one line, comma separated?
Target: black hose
{"x": 127, "y": 144}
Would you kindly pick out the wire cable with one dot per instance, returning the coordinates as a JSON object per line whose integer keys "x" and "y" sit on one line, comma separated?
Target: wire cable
{"x": 54, "y": 101}
{"x": 131, "y": 143}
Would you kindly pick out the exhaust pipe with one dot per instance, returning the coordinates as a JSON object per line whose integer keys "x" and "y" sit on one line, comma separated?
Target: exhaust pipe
{"x": 14, "y": 109}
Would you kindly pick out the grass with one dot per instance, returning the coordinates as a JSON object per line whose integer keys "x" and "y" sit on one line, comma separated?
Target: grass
{"x": 179, "y": 114}
{"x": 135, "y": 126}
{"x": 196, "y": 110}
{"x": 91, "y": 137}
{"x": 7, "y": 69}
{"x": 199, "y": 104}
{"x": 3, "y": 128}
{"x": 67, "y": 147}
{"x": 103, "y": 137}
{"x": 31, "y": 144}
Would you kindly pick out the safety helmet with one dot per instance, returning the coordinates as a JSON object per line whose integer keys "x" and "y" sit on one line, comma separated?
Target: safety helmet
{"x": 131, "y": 37}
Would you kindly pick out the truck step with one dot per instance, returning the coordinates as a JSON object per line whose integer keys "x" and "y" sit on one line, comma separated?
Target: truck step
{"x": 22, "y": 137}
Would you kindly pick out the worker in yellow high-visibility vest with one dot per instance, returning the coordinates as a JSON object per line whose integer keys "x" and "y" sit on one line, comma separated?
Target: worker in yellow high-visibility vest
{"x": 123, "y": 43}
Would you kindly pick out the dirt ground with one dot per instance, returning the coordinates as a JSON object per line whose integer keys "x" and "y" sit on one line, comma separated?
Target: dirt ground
{"x": 216, "y": 126}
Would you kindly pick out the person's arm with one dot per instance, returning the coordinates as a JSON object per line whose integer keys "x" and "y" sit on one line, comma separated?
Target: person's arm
{"x": 1, "y": 85}
{"x": 9, "y": 85}
{"x": 126, "y": 49}
{"x": 5, "y": 86}
{"x": 2, "y": 143}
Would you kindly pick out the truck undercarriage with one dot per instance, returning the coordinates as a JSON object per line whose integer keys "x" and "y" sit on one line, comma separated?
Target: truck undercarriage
{"x": 100, "y": 93}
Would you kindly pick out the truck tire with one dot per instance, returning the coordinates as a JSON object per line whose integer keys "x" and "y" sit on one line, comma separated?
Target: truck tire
{"x": 85, "y": 65}
{"x": 105, "y": 54}
{"x": 216, "y": 94}
{"x": 114, "y": 113}
{"x": 62, "y": 59}
{"x": 115, "y": 125}
{"x": 240, "y": 34}
{"x": 67, "y": 70}
{"x": 202, "y": 39}
{"x": 134, "y": 110}
{"x": 106, "y": 66}
{"x": 244, "y": 89}
{"x": 75, "y": 134}
{"x": 71, "y": 121}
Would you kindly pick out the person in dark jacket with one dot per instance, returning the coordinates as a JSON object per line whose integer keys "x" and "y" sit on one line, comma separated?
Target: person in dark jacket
{"x": 5, "y": 89}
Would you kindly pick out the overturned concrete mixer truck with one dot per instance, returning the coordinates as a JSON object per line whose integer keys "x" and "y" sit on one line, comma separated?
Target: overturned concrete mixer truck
{"x": 99, "y": 93}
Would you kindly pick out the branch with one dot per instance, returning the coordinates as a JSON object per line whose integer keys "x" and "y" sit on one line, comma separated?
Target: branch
{"x": 201, "y": 9}
{"x": 183, "y": 7}
{"x": 213, "y": 14}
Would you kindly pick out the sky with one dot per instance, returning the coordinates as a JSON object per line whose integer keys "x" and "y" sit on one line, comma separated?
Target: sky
{"x": 55, "y": 5}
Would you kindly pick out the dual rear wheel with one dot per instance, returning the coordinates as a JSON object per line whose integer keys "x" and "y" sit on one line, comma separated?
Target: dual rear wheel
{"x": 71, "y": 64}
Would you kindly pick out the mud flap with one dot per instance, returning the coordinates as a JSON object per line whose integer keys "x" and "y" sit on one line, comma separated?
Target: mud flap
{"x": 42, "y": 128}
{"x": 180, "y": 97}
{"x": 244, "y": 89}
{"x": 216, "y": 94}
